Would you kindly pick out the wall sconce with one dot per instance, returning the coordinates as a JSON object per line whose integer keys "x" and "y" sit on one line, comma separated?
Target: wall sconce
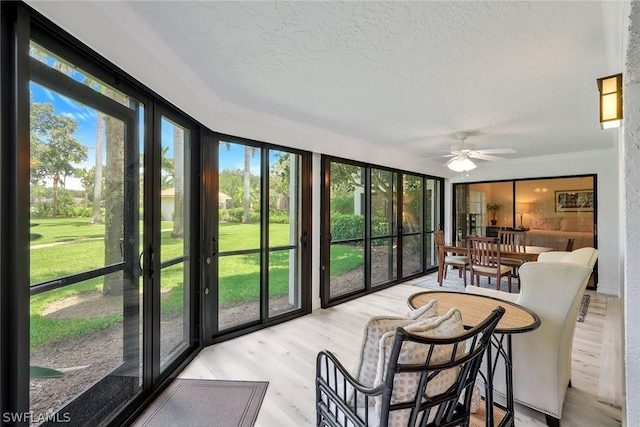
{"x": 541, "y": 190}
{"x": 522, "y": 208}
{"x": 610, "y": 101}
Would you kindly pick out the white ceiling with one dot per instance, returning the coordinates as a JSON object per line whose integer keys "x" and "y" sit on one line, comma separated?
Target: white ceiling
{"x": 403, "y": 75}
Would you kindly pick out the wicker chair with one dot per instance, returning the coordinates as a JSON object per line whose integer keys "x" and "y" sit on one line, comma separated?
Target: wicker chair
{"x": 342, "y": 401}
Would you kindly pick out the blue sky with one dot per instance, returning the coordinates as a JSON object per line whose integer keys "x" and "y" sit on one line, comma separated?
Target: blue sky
{"x": 87, "y": 117}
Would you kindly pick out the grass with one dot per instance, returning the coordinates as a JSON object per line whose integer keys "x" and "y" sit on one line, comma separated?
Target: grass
{"x": 239, "y": 274}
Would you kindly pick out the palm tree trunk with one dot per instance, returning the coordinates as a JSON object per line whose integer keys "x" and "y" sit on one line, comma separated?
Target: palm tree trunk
{"x": 246, "y": 199}
{"x": 178, "y": 181}
{"x": 56, "y": 182}
{"x": 96, "y": 217}
{"x": 113, "y": 202}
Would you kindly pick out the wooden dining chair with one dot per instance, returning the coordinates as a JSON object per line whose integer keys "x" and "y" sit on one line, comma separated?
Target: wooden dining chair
{"x": 459, "y": 261}
{"x": 484, "y": 260}
{"x": 513, "y": 241}
{"x": 569, "y": 247}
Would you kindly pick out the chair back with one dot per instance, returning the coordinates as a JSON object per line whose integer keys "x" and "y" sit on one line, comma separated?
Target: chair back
{"x": 438, "y": 237}
{"x": 569, "y": 247}
{"x": 462, "y": 361}
{"x": 484, "y": 251}
{"x": 513, "y": 241}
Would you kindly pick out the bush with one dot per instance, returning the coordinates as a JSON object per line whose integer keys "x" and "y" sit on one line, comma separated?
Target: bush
{"x": 42, "y": 210}
{"x": 346, "y": 226}
{"x": 73, "y": 211}
{"x": 235, "y": 215}
{"x": 279, "y": 217}
{"x": 352, "y": 227}
{"x": 342, "y": 205}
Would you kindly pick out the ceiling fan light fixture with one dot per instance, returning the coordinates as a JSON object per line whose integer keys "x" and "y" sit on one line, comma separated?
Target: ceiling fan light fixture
{"x": 461, "y": 164}
{"x": 610, "y": 101}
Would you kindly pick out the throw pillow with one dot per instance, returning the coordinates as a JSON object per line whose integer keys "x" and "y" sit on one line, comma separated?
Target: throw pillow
{"x": 405, "y": 384}
{"x": 569, "y": 224}
{"x": 375, "y": 328}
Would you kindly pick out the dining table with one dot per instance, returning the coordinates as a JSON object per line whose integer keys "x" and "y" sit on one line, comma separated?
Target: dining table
{"x": 460, "y": 248}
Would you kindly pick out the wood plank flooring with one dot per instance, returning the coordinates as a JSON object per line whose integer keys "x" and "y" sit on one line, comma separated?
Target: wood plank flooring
{"x": 285, "y": 356}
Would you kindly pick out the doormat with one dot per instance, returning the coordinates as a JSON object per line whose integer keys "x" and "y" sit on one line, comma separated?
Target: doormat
{"x": 583, "y": 308}
{"x": 217, "y": 403}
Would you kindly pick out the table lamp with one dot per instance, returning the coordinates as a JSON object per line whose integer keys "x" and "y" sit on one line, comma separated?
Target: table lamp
{"x": 522, "y": 208}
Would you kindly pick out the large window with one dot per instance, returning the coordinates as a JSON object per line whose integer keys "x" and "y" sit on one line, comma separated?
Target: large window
{"x": 377, "y": 227}
{"x": 554, "y": 212}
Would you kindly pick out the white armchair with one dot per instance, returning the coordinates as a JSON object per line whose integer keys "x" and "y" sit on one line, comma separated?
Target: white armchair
{"x": 553, "y": 289}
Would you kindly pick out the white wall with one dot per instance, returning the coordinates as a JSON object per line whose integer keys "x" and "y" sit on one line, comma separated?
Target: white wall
{"x": 604, "y": 163}
{"x": 631, "y": 229}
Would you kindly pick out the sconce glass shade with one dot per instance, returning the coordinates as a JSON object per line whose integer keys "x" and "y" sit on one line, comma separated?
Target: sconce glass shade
{"x": 610, "y": 101}
{"x": 541, "y": 190}
{"x": 461, "y": 164}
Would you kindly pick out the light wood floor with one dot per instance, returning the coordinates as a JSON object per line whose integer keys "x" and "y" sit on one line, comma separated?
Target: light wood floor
{"x": 285, "y": 356}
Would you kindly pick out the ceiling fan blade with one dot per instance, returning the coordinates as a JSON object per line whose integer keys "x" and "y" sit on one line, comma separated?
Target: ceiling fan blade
{"x": 497, "y": 151}
{"x": 435, "y": 157}
{"x": 476, "y": 155}
{"x": 450, "y": 160}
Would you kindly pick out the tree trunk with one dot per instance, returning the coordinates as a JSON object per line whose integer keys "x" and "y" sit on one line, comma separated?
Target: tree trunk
{"x": 246, "y": 198}
{"x": 113, "y": 202}
{"x": 96, "y": 217}
{"x": 56, "y": 182}
{"x": 178, "y": 181}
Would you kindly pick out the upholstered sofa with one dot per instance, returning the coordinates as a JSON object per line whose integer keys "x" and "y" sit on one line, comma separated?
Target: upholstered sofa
{"x": 553, "y": 288}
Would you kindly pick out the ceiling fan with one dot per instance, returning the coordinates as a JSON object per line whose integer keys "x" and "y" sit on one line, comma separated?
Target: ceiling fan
{"x": 463, "y": 152}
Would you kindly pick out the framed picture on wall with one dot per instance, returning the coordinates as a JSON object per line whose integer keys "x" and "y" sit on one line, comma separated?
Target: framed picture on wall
{"x": 574, "y": 201}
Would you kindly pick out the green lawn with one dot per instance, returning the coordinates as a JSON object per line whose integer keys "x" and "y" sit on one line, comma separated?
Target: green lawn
{"x": 239, "y": 274}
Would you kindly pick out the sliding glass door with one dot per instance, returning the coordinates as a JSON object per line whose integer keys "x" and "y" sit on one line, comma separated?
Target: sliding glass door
{"x": 377, "y": 227}
{"x": 384, "y": 230}
{"x": 111, "y": 226}
{"x": 259, "y": 243}
{"x": 85, "y": 311}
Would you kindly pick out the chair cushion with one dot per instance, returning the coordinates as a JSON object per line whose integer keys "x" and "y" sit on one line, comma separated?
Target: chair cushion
{"x": 375, "y": 328}
{"x": 406, "y": 384}
{"x": 454, "y": 259}
{"x": 492, "y": 270}
{"x": 514, "y": 262}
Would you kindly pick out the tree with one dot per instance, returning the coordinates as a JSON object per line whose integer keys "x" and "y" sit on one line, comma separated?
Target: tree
{"x": 167, "y": 172}
{"x": 54, "y": 147}
{"x": 178, "y": 178}
{"x": 113, "y": 197}
{"x": 87, "y": 177}
{"x": 96, "y": 217}
{"x": 246, "y": 199}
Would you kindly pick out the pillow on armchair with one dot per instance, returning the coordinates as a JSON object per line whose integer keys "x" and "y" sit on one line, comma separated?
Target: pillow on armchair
{"x": 405, "y": 384}
{"x": 375, "y": 328}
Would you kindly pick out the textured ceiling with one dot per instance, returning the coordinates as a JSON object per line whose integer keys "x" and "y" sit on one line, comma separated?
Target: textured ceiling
{"x": 407, "y": 75}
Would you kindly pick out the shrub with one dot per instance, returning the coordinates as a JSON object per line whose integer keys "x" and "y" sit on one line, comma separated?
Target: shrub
{"x": 346, "y": 226}
{"x": 235, "y": 215}
{"x": 279, "y": 217}
{"x": 342, "y": 205}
